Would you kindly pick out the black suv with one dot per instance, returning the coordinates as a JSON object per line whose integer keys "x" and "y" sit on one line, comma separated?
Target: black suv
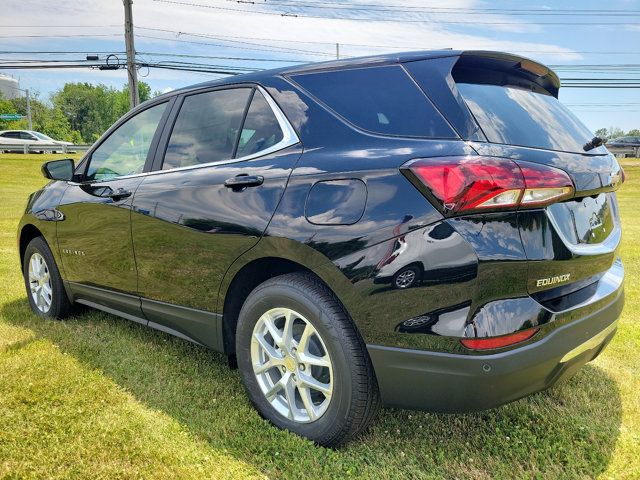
{"x": 429, "y": 230}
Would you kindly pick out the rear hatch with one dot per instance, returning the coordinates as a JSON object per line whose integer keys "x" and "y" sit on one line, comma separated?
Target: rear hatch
{"x": 514, "y": 103}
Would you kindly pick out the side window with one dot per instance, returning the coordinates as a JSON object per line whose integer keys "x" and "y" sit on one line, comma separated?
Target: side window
{"x": 207, "y": 128}
{"x": 26, "y": 136}
{"x": 378, "y": 99}
{"x": 261, "y": 129}
{"x": 125, "y": 151}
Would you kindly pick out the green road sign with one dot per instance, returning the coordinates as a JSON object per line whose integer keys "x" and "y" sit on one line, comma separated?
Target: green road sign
{"x": 10, "y": 116}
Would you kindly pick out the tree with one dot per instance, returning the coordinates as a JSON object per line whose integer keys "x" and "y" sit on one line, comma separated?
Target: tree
{"x": 611, "y": 132}
{"x": 615, "y": 132}
{"x": 5, "y": 107}
{"x": 45, "y": 119}
{"x": 602, "y": 133}
{"x": 92, "y": 109}
{"x": 78, "y": 112}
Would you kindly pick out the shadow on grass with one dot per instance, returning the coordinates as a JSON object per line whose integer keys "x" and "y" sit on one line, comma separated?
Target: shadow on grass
{"x": 569, "y": 431}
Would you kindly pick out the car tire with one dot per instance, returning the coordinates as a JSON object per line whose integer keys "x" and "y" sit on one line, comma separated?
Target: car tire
{"x": 45, "y": 289}
{"x": 407, "y": 277}
{"x": 314, "y": 313}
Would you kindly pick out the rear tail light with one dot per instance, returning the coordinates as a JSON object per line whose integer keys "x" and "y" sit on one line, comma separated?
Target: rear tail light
{"x": 489, "y": 343}
{"x": 471, "y": 184}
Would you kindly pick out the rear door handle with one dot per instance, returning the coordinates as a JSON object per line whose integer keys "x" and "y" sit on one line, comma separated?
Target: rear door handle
{"x": 242, "y": 181}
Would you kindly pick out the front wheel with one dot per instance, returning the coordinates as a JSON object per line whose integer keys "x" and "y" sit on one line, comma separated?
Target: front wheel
{"x": 45, "y": 289}
{"x": 302, "y": 361}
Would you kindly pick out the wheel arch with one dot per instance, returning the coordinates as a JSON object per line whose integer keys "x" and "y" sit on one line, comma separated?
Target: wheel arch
{"x": 418, "y": 263}
{"x": 27, "y": 233}
{"x": 252, "y": 269}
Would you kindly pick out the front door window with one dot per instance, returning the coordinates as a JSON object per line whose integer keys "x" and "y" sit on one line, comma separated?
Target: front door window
{"x": 125, "y": 151}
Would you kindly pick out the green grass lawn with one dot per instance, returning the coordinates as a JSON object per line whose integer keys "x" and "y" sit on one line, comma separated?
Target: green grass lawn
{"x": 100, "y": 397}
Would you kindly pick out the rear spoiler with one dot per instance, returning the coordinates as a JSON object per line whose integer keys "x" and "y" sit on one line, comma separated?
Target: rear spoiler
{"x": 499, "y": 68}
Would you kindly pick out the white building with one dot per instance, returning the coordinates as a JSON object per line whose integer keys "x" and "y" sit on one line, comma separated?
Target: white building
{"x": 9, "y": 86}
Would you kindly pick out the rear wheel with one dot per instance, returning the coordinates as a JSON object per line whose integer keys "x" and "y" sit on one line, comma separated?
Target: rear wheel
{"x": 45, "y": 289}
{"x": 407, "y": 277}
{"x": 302, "y": 361}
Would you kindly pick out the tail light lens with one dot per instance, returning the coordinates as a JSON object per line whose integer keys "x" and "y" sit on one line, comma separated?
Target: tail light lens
{"x": 471, "y": 184}
{"x": 490, "y": 343}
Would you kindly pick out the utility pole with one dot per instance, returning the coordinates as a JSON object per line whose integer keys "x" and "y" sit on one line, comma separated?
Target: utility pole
{"x": 29, "y": 123}
{"x": 132, "y": 73}
{"x": 338, "y": 51}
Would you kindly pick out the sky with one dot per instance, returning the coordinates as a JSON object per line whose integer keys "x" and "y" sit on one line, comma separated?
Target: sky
{"x": 275, "y": 33}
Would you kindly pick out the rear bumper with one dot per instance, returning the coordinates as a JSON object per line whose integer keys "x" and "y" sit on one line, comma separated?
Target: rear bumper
{"x": 445, "y": 382}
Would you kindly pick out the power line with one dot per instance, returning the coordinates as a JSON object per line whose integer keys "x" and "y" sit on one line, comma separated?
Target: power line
{"x": 59, "y": 52}
{"x": 176, "y": 63}
{"x": 64, "y": 36}
{"x": 44, "y": 67}
{"x": 369, "y": 6}
{"x": 38, "y": 64}
{"x": 58, "y": 26}
{"x": 184, "y": 55}
{"x": 442, "y": 10}
{"x": 193, "y": 42}
{"x": 191, "y": 69}
{"x": 599, "y": 104}
{"x": 601, "y": 86}
{"x": 600, "y": 79}
{"x": 37, "y": 60}
{"x": 394, "y": 47}
{"x": 229, "y": 70}
{"x": 219, "y": 37}
{"x": 403, "y": 20}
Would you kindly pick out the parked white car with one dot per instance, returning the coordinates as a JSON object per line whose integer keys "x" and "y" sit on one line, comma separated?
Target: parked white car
{"x": 21, "y": 137}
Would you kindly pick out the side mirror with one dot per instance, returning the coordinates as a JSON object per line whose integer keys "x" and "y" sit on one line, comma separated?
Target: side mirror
{"x": 58, "y": 169}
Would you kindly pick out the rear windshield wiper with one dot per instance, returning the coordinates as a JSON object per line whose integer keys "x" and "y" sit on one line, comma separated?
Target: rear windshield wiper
{"x": 595, "y": 142}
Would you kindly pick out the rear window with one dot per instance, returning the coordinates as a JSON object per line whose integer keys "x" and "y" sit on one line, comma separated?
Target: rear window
{"x": 517, "y": 116}
{"x": 260, "y": 130}
{"x": 378, "y": 99}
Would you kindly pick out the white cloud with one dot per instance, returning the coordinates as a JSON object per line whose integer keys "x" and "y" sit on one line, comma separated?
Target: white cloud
{"x": 396, "y": 36}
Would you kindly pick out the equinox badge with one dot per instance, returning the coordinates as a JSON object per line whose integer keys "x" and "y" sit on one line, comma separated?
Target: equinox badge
{"x": 543, "y": 282}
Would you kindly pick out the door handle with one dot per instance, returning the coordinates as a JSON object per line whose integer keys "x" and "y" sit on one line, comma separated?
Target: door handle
{"x": 118, "y": 194}
{"x": 242, "y": 181}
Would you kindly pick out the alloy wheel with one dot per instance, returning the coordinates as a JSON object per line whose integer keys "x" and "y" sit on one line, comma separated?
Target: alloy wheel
{"x": 292, "y": 365}
{"x": 40, "y": 283}
{"x": 405, "y": 279}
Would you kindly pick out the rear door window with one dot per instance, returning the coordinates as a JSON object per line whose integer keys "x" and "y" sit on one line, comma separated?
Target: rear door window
{"x": 207, "y": 128}
{"x": 382, "y": 100}
{"x": 518, "y": 116}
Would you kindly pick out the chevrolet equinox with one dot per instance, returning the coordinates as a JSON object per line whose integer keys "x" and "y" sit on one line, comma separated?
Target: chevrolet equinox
{"x": 429, "y": 230}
